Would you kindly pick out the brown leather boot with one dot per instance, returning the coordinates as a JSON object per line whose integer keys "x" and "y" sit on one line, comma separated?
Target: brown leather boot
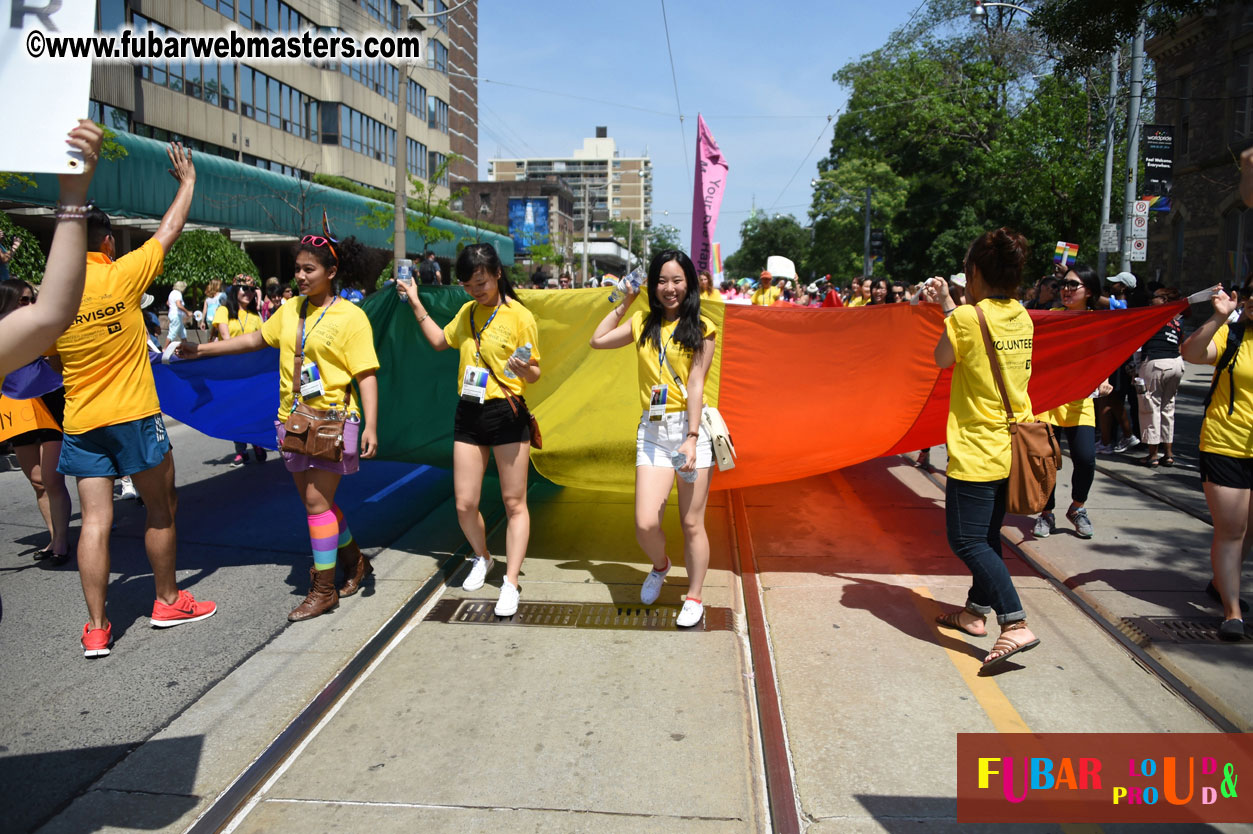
{"x": 355, "y": 567}
{"x": 322, "y": 596}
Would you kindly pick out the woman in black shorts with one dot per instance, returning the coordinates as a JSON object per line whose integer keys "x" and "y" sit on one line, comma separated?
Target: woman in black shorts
{"x": 1226, "y": 448}
{"x": 492, "y": 416}
{"x": 39, "y": 450}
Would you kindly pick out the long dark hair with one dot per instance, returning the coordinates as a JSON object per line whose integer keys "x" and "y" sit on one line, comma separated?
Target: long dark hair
{"x": 347, "y": 256}
{"x": 887, "y": 291}
{"x": 1090, "y": 280}
{"x": 478, "y": 256}
{"x": 688, "y": 332}
{"x": 11, "y": 294}
{"x": 232, "y": 301}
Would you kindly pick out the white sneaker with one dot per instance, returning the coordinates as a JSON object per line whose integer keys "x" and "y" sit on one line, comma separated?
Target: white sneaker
{"x": 652, "y": 584}
{"x": 478, "y": 573}
{"x": 1126, "y": 443}
{"x": 507, "y": 604}
{"x": 691, "y": 614}
{"x": 128, "y": 489}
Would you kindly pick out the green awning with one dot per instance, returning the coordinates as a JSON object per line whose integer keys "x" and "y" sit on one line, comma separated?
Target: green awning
{"x": 231, "y": 195}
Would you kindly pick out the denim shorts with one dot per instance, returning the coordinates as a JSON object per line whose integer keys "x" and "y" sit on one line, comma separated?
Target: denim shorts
{"x": 115, "y": 451}
{"x": 656, "y": 442}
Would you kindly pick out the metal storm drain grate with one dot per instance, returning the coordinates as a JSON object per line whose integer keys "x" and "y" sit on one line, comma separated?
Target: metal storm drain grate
{"x": 1144, "y": 630}
{"x": 576, "y": 615}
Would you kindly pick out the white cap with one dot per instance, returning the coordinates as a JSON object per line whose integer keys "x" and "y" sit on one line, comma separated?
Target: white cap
{"x": 1125, "y": 278}
{"x": 145, "y": 301}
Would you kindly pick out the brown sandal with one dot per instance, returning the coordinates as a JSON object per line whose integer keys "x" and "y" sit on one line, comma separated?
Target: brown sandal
{"x": 1007, "y": 646}
{"x": 952, "y": 620}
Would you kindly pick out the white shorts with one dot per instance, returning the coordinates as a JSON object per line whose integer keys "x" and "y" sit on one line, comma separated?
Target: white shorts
{"x": 655, "y": 443}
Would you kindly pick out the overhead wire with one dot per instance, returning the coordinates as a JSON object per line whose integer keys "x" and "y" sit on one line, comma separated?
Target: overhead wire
{"x": 805, "y": 159}
{"x": 675, "y": 78}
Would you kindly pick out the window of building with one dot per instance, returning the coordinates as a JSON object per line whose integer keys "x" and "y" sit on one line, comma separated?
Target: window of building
{"x": 1242, "y": 111}
{"x": 111, "y": 117}
{"x": 434, "y": 160}
{"x": 276, "y": 104}
{"x": 1183, "y": 106}
{"x": 415, "y": 158}
{"x": 1238, "y": 242}
{"x": 437, "y": 56}
{"x": 441, "y": 20}
{"x": 111, "y": 15}
{"x": 415, "y": 101}
{"x": 360, "y": 133}
{"x": 437, "y": 114}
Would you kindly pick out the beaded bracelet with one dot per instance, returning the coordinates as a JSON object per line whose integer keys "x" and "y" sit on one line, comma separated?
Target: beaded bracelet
{"x": 71, "y": 212}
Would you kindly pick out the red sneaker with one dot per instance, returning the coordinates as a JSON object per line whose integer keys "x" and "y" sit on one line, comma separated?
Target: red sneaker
{"x": 186, "y": 610}
{"x": 96, "y": 641}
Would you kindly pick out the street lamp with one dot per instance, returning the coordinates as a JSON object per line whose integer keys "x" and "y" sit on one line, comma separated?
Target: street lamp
{"x": 978, "y": 14}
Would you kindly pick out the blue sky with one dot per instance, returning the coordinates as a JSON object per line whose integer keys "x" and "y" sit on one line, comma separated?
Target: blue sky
{"x": 759, "y": 73}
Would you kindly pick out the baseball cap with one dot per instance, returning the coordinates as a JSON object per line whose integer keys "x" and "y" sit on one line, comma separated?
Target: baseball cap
{"x": 145, "y": 301}
{"x": 1125, "y": 278}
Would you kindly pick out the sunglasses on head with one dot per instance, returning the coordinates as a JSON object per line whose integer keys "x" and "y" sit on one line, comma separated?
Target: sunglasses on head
{"x": 318, "y": 240}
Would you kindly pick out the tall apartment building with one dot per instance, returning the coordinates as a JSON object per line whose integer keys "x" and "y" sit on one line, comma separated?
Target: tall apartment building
{"x": 616, "y": 187}
{"x": 1205, "y": 91}
{"x": 301, "y": 118}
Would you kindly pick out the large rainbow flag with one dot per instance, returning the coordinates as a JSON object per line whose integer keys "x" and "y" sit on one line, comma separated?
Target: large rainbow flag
{"x": 804, "y": 391}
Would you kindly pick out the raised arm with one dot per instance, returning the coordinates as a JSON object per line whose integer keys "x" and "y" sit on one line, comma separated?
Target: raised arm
{"x": 432, "y": 331}
{"x": 29, "y": 331}
{"x": 184, "y": 172}
{"x": 1199, "y": 348}
{"x": 613, "y": 332}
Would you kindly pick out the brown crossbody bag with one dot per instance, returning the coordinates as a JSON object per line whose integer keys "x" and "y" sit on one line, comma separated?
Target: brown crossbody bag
{"x": 1035, "y": 456}
{"x": 316, "y": 432}
{"x": 537, "y": 440}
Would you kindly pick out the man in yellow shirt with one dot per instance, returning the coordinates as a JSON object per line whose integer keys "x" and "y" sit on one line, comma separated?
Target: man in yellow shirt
{"x": 766, "y": 294}
{"x": 112, "y": 423}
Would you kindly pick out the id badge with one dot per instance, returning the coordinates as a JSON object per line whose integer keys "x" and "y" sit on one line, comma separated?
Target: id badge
{"x": 310, "y": 380}
{"x": 657, "y": 403}
{"x": 474, "y": 385}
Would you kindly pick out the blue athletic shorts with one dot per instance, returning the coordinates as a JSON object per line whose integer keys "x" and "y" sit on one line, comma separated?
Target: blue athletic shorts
{"x": 114, "y": 451}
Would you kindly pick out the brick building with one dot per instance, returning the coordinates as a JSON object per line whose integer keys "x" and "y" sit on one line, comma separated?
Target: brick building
{"x": 1205, "y": 91}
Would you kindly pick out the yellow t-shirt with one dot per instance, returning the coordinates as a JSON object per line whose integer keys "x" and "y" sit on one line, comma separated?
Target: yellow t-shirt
{"x": 859, "y": 301}
{"x": 246, "y": 323}
{"x": 712, "y": 295}
{"x": 104, "y": 353}
{"x": 1078, "y": 413}
{"x": 512, "y": 327}
{"x": 1223, "y": 434}
{"x": 766, "y": 296}
{"x": 338, "y": 339}
{"x": 978, "y": 438}
{"x": 677, "y": 356}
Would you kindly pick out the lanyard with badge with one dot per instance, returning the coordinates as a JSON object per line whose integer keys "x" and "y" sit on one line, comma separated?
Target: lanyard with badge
{"x": 474, "y": 380}
{"x": 310, "y": 378}
{"x": 661, "y": 392}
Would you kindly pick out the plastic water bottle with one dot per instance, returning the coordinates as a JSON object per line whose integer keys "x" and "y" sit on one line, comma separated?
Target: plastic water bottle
{"x": 633, "y": 279}
{"x": 404, "y": 271}
{"x": 524, "y": 353}
{"x": 678, "y": 459}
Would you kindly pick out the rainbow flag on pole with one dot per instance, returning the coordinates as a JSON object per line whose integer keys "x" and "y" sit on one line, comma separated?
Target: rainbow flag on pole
{"x": 717, "y": 264}
{"x": 1065, "y": 253}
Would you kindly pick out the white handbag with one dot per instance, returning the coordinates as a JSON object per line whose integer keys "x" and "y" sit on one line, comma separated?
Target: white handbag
{"x": 711, "y": 419}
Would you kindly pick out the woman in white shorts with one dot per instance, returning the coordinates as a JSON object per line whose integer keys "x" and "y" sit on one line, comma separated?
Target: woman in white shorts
{"x": 675, "y": 345}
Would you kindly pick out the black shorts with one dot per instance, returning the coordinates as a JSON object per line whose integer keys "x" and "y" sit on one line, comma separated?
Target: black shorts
{"x": 55, "y": 402}
{"x": 1225, "y": 471}
{"x": 492, "y": 423}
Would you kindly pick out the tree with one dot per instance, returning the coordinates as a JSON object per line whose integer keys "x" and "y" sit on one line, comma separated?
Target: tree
{"x": 1086, "y": 31}
{"x": 28, "y": 262}
{"x": 424, "y": 208}
{"x": 761, "y": 237}
{"x": 201, "y": 255}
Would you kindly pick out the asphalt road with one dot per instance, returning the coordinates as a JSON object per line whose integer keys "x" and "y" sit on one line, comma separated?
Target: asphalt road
{"x": 243, "y": 543}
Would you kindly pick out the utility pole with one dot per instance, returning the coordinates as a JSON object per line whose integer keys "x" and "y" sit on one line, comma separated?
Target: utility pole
{"x": 867, "y": 266}
{"x": 399, "y": 245}
{"x": 1109, "y": 156}
{"x": 1133, "y": 142}
{"x": 630, "y": 234}
{"x": 587, "y": 213}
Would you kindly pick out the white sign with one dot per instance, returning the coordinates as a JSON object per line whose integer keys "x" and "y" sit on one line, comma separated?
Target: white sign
{"x": 46, "y": 96}
{"x": 1140, "y": 208}
{"x": 1109, "y": 237}
{"x": 1139, "y": 227}
{"x": 1139, "y": 250}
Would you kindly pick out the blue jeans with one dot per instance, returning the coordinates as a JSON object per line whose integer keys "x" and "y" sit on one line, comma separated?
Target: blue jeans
{"x": 973, "y": 513}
